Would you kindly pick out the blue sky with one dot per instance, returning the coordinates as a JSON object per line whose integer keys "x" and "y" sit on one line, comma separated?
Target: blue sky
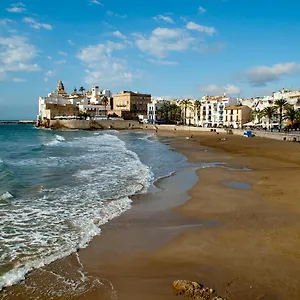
{"x": 166, "y": 48}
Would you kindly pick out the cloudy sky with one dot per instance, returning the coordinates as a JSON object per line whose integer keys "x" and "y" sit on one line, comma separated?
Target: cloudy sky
{"x": 166, "y": 48}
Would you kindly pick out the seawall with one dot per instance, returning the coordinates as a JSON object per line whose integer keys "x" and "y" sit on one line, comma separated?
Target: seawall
{"x": 93, "y": 124}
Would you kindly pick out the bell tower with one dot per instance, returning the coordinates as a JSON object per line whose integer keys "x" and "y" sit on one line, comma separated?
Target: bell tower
{"x": 60, "y": 88}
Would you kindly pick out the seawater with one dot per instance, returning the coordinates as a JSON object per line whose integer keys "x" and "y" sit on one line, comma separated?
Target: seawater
{"x": 58, "y": 187}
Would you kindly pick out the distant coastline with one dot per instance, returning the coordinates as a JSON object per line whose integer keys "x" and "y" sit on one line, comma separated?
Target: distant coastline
{"x": 17, "y": 122}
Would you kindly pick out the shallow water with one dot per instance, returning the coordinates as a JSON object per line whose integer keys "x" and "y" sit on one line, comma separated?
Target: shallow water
{"x": 237, "y": 185}
{"x": 58, "y": 188}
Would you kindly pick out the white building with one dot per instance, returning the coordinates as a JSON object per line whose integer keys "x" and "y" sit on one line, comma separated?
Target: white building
{"x": 97, "y": 95}
{"x": 58, "y": 97}
{"x": 94, "y": 110}
{"x": 153, "y": 108}
{"x": 212, "y": 110}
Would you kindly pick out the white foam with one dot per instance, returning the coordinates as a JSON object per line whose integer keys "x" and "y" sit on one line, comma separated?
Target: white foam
{"x": 6, "y": 196}
{"x": 62, "y": 219}
{"x": 58, "y": 139}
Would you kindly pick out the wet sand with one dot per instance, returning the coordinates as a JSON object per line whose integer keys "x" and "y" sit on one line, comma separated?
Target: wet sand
{"x": 245, "y": 242}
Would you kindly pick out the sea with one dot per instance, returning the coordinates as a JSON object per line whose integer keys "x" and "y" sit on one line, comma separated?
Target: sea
{"x": 57, "y": 188}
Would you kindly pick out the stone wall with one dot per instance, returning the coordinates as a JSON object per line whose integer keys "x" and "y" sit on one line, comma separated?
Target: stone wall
{"x": 94, "y": 125}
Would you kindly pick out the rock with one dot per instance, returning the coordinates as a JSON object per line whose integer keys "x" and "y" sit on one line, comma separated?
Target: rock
{"x": 194, "y": 290}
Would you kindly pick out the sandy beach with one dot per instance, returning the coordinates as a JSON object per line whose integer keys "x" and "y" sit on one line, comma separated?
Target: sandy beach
{"x": 237, "y": 229}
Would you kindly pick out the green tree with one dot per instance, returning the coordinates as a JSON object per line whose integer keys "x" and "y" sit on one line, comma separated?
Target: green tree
{"x": 292, "y": 115}
{"x": 105, "y": 103}
{"x": 257, "y": 114}
{"x": 170, "y": 113}
{"x": 197, "y": 106}
{"x": 280, "y": 105}
{"x": 75, "y": 90}
{"x": 269, "y": 112}
{"x": 185, "y": 104}
{"x": 81, "y": 89}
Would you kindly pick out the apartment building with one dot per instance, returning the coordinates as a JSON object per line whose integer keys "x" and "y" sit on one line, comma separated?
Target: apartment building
{"x": 237, "y": 115}
{"x": 130, "y": 104}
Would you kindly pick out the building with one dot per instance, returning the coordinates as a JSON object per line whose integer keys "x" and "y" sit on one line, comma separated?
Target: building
{"x": 153, "y": 115}
{"x": 94, "y": 110}
{"x": 212, "y": 110}
{"x": 130, "y": 104}
{"x": 97, "y": 95}
{"x": 58, "y": 98}
{"x": 61, "y": 105}
{"x": 237, "y": 115}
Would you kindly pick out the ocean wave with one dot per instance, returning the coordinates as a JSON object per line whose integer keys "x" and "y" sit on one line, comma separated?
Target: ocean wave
{"x": 58, "y": 139}
{"x": 6, "y": 196}
{"x": 59, "y": 220}
{"x": 111, "y": 211}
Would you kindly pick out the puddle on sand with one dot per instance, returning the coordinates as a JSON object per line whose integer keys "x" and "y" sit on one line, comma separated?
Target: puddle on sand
{"x": 237, "y": 185}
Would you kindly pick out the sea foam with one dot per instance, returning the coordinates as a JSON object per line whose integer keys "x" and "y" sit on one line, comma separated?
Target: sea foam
{"x": 59, "y": 219}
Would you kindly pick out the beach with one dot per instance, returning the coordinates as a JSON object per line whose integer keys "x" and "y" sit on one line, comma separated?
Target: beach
{"x": 229, "y": 221}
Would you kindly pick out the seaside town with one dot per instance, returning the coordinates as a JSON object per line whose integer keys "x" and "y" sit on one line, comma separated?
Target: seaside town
{"x": 281, "y": 110}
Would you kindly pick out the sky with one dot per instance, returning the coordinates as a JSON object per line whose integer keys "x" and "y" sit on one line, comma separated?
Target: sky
{"x": 170, "y": 49}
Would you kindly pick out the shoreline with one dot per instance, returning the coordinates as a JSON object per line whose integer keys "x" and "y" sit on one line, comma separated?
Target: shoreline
{"x": 249, "y": 248}
{"x": 138, "y": 198}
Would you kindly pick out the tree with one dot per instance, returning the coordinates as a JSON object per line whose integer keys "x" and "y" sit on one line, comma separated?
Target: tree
{"x": 197, "y": 106}
{"x": 269, "y": 112}
{"x": 105, "y": 103}
{"x": 280, "y": 104}
{"x": 75, "y": 90}
{"x": 257, "y": 114}
{"x": 292, "y": 115}
{"x": 81, "y": 89}
{"x": 185, "y": 104}
{"x": 169, "y": 113}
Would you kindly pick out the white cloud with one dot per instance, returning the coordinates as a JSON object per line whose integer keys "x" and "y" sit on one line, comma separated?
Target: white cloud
{"x": 17, "y": 8}
{"x": 118, "y": 34}
{"x": 110, "y": 13}
{"x": 96, "y": 2}
{"x": 213, "y": 89}
{"x": 262, "y": 75}
{"x": 16, "y": 55}
{"x": 16, "y": 79}
{"x": 60, "y": 62}
{"x": 70, "y": 42}
{"x": 201, "y": 10}
{"x": 62, "y": 53}
{"x": 201, "y": 28}
{"x": 36, "y": 25}
{"x": 163, "y": 62}
{"x": 5, "y": 22}
{"x": 102, "y": 65}
{"x": 49, "y": 57}
{"x": 164, "y": 18}
{"x": 48, "y": 75}
{"x": 163, "y": 40}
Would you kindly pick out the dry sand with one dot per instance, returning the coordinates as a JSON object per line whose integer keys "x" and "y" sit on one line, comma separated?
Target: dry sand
{"x": 245, "y": 242}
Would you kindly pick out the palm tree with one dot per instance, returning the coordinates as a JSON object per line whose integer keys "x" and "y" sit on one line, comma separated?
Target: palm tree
{"x": 81, "y": 89}
{"x": 105, "y": 103}
{"x": 292, "y": 115}
{"x": 197, "y": 106}
{"x": 185, "y": 104}
{"x": 269, "y": 112}
{"x": 258, "y": 114}
{"x": 280, "y": 104}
